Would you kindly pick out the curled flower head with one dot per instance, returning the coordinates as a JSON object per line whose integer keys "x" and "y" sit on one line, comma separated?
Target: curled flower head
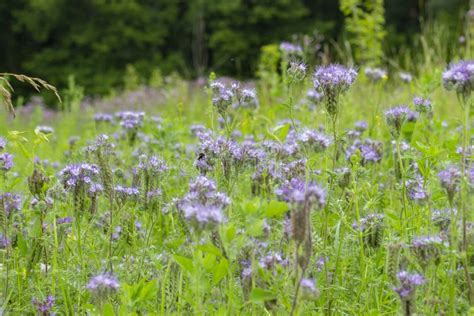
{"x": 309, "y": 289}
{"x": 222, "y": 97}
{"x": 372, "y": 228}
{"x": 371, "y": 151}
{"x": 408, "y": 284}
{"x": 10, "y": 202}
{"x": 6, "y": 162}
{"x": 103, "y": 117}
{"x": 297, "y": 71}
{"x": 459, "y": 77}
{"x": 396, "y": 117}
{"x": 44, "y": 129}
{"x": 427, "y": 248}
{"x": 297, "y": 191}
{"x": 290, "y": 49}
{"x": 76, "y": 175}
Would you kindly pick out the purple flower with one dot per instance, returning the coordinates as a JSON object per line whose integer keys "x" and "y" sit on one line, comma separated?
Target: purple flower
{"x": 221, "y": 97}
{"x": 375, "y": 74}
{"x": 290, "y": 49}
{"x": 450, "y": 179}
{"x": 202, "y": 216}
{"x": 317, "y": 142}
{"x": 405, "y": 77}
{"x": 3, "y": 143}
{"x": 11, "y": 202}
{"x": 470, "y": 175}
{"x": 459, "y": 77}
{"x": 103, "y": 117}
{"x": 103, "y": 285}
{"x": 368, "y": 222}
{"x": 6, "y": 162}
{"x": 408, "y": 284}
{"x": 297, "y": 71}
{"x": 44, "y": 307}
{"x": 416, "y": 190}
{"x": 63, "y": 220}
{"x": 308, "y": 288}
{"x": 76, "y": 175}
{"x": 396, "y": 117}
{"x": 131, "y": 120}
{"x": 361, "y": 126}
{"x": 44, "y": 129}
{"x": 370, "y": 151}
{"x": 334, "y": 79}
{"x": 153, "y": 165}
{"x": 299, "y": 192}
{"x": 422, "y": 105}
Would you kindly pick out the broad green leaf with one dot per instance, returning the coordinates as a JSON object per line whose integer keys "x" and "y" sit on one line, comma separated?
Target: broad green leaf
{"x": 260, "y": 295}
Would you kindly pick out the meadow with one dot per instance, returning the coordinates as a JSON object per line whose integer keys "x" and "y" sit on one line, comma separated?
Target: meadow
{"x": 330, "y": 190}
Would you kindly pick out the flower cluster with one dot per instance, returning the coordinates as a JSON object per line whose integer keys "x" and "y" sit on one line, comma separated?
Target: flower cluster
{"x": 297, "y": 191}
{"x": 291, "y": 49}
{"x": 313, "y": 140}
{"x": 371, "y": 227}
{"x": 450, "y": 179}
{"x": 422, "y": 105}
{"x": 44, "y": 307}
{"x": 427, "y": 248}
{"x": 6, "y": 162}
{"x": 11, "y": 202}
{"x": 371, "y": 151}
{"x": 203, "y": 205}
{"x": 396, "y": 117}
{"x": 79, "y": 175}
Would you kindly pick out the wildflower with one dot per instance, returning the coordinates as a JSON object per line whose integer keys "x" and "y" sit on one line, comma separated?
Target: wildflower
{"x": 315, "y": 141}
{"x": 427, "y": 248}
{"x": 416, "y": 191}
{"x": 131, "y": 120}
{"x": 405, "y": 77}
{"x": 372, "y": 228}
{"x": 290, "y": 49}
{"x": 203, "y": 216}
{"x": 370, "y": 151}
{"x": 422, "y": 105}
{"x": 332, "y": 81}
{"x": 297, "y": 71}
{"x": 361, "y": 126}
{"x": 343, "y": 176}
{"x": 308, "y": 288}
{"x": 297, "y": 191}
{"x": 64, "y": 220}
{"x": 44, "y": 307}
{"x": 78, "y": 175}
{"x": 450, "y": 179}
{"x": 246, "y": 99}
{"x": 314, "y": 97}
{"x": 44, "y": 129}
{"x": 221, "y": 97}
{"x": 442, "y": 218}
{"x": 375, "y": 74}
{"x": 6, "y": 162}
{"x": 103, "y": 117}
{"x": 459, "y": 77}
{"x": 103, "y": 285}
{"x": 3, "y": 143}
{"x": 10, "y": 202}
{"x": 396, "y": 118}
{"x": 408, "y": 284}
{"x": 125, "y": 194}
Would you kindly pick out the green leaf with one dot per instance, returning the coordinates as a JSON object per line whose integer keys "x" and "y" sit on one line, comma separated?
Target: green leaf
{"x": 108, "y": 310}
{"x": 210, "y": 248}
{"x": 184, "y": 263}
{"x": 220, "y": 271}
{"x": 260, "y": 295}
{"x": 276, "y": 209}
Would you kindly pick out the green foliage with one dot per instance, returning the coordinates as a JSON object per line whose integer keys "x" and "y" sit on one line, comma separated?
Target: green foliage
{"x": 365, "y": 21}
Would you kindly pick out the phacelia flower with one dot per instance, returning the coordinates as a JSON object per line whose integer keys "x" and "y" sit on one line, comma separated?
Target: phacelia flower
{"x": 103, "y": 285}
{"x": 44, "y": 129}
{"x": 314, "y": 140}
{"x": 290, "y": 49}
{"x": 6, "y": 162}
{"x": 44, "y": 307}
{"x": 372, "y": 228}
{"x": 11, "y": 202}
{"x": 450, "y": 179}
{"x": 3, "y": 143}
{"x": 375, "y": 74}
{"x": 422, "y": 105}
{"x": 396, "y": 117}
{"x": 459, "y": 77}
{"x": 427, "y": 248}
{"x": 405, "y": 77}
{"x": 297, "y": 71}
{"x": 298, "y": 191}
{"x": 332, "y": 81}
{"x": 408, "y": 284}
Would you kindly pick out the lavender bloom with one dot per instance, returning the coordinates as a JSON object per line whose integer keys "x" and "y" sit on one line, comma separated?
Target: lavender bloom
{"x": 416, "y": 190}
{"x": 314, "y": 97}
{"x": 125, "y": 194}
{"x": 408, "y": 284}
{"x": 198, "y": 129}
{"x": 63, "y": 220}
{"x": 332, "y": 81}
{"x": 470, "y": 175}
{"x": 375, "y": 74}
{"x": 442, "y": 218}
{"x": 361, "y": 126}
{"x": 459, "y": 77}
{"x": 44, "y": 307}
{"x": 153, "y": 165}
{"x": 3, "y": 143}
{"x": 131, "y": 120}
{"x": 44, "y": 129}
{"x": 422, "y": 105}
{"x": 299, "y": 192}
{"x": 396, "y": 117}
{"x": 202, "y": 206}
{"x": 309, "y": 290}
{"x": 6, "y": 162}
{"x": 11, "y": 202}
{"x": 76, "y": 175}
{"x": 103, "y": 285}
{"x": 95, "y": 189}
{"x": 370, "y": 151}
{"x": 4, "y": 241}
{"x": 450, "y": 179}
{"x": 297, "y": 71}
{"x": 315, "y": 141}
{"x": 427, "y": 248}
{"x": 405, "y": 77}
{"x": 291, "y": 49}
{"x": 269, "y": 261}
{"x": 103, "y": 117}
{"x": 221, "y": 97}
{"x": 372, "y": 228}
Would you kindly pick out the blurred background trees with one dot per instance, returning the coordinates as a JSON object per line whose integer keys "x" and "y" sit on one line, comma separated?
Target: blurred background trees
{"x": 96, "y": 40}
